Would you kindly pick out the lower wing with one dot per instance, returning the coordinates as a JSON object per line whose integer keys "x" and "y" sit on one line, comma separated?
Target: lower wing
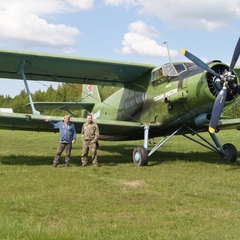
{"x": 109, "y": 129}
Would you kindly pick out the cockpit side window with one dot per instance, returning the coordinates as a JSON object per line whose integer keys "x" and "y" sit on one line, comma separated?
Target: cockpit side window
{"x": 180, "y": 68}
{"x": 190, "y": 65}
{"x": 157, "y": 76}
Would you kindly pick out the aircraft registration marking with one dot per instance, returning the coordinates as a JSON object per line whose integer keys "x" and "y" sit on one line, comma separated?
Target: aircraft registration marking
{"x": 167, "y": 94}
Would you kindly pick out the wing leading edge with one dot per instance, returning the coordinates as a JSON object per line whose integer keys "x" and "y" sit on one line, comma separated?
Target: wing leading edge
{"x": 228, "y": 123}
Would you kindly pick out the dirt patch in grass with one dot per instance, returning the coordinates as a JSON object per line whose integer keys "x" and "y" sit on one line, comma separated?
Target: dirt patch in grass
{"x": 135, "y": 183}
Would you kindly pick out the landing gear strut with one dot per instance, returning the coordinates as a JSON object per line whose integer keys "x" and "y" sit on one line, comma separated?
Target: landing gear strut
{"x": 140, "y": 155}
{"x": 228, "y": 151}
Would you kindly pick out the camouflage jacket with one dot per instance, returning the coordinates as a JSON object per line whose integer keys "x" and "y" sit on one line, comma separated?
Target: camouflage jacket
{"x": 90, "y": 132}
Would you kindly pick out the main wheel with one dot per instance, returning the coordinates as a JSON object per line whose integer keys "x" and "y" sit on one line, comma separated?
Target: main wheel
{"x": 230, "y": 153}
{"x": 140, "y": 156}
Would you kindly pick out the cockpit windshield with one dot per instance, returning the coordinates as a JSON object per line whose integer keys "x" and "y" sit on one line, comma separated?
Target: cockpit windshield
{"x": 169, "y": 71}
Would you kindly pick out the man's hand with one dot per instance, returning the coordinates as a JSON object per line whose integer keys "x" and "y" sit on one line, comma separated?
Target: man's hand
{"x": 73, "y": 141}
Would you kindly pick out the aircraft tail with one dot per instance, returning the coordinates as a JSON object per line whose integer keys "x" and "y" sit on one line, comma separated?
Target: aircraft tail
{"x": 90, "y": 94}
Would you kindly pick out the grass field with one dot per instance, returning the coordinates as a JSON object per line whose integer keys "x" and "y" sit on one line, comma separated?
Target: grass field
{"x": 185, "y": 192}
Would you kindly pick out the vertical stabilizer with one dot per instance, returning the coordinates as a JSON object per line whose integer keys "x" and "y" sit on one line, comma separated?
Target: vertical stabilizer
{"x": 90, "y": 94}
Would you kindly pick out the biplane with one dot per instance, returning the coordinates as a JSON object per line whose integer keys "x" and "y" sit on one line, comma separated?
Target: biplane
{"x": 178, "y": 98}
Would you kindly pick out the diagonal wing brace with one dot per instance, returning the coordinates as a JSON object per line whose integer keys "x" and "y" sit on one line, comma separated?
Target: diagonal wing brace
{"x": 21, "y": 71}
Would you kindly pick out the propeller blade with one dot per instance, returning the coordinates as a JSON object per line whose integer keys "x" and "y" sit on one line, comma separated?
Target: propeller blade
{"x": 235, "y": 56}
{"x": 217, "y": 109}
{"x": 199, "y": 62}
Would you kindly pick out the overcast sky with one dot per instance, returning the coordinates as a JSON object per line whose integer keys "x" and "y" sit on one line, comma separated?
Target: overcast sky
{"x": 125, "y": 30}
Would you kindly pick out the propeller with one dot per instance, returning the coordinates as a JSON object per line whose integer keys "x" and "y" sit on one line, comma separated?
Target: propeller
{"x": 228, "y": 82}
{"x": 217, "y": 109}
{"x": 199, "y": 62}
{"x": 235, "y": 56}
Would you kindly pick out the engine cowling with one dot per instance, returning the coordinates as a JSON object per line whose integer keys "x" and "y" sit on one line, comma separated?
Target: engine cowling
{"x": 215, "y": 84}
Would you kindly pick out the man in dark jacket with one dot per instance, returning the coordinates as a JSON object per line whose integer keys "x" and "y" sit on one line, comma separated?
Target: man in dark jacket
{"x": 67, "y": 138}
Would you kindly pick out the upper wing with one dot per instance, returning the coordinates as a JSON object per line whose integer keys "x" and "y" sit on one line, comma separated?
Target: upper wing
{"x": 58, "y": 68}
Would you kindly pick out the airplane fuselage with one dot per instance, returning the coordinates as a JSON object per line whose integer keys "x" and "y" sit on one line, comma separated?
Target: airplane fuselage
{"x": 168, "y": 102}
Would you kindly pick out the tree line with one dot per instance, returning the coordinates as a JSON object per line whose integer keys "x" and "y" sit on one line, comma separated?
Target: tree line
{"x": 64, "y": 93}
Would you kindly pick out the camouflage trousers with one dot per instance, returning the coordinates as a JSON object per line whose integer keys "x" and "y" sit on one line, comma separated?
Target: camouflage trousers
{"x": 86, "y": 146}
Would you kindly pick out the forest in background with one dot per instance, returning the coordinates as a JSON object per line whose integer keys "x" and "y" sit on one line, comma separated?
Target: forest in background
{"x": 64, "y": 93}
{"x": 70, "y": 93}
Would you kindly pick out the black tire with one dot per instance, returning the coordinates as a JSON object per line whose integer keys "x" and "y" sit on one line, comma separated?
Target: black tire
{"x": 140, "y": 156}
{"x": 230, "y": 153}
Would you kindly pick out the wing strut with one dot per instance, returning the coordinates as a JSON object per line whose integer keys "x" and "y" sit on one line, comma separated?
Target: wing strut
{"x": 227, "y": 151}
{"x": 163, "y": 140}
{"x": 21, "y": 71}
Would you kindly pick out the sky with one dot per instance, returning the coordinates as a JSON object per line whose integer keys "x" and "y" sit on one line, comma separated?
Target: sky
{"x": 139, "y": 31}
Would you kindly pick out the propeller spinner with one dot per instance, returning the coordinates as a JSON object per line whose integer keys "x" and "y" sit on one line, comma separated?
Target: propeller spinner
{"x": 227, "y": 79}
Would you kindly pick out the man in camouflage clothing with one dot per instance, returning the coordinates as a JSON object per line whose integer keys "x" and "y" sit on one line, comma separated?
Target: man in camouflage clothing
{"x": 89, "y": 134}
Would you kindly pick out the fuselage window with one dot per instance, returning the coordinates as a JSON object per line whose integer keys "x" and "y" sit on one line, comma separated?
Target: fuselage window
{"x": 133, "y": 101}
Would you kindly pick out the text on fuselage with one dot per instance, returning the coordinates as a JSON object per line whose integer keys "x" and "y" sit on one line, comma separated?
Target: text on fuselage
{"x": 165, "y": 95}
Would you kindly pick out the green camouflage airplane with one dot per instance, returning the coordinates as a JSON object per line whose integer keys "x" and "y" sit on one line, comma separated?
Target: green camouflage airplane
{"x": 184, "y": 98}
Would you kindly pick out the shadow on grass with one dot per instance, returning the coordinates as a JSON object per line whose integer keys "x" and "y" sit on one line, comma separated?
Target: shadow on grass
{"x": 204, "y": 157}
{"x": 120, "y": 154}
{"x": 33, "y": 160}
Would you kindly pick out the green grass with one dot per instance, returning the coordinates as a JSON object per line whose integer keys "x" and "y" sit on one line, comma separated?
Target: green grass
{"x": 186, "y": 192}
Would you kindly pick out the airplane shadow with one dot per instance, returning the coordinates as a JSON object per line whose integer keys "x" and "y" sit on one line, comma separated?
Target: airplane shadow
{"x": 120, "y": 154}
{"x": 158, "y": 157}
{"x": 204, "y": 157}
